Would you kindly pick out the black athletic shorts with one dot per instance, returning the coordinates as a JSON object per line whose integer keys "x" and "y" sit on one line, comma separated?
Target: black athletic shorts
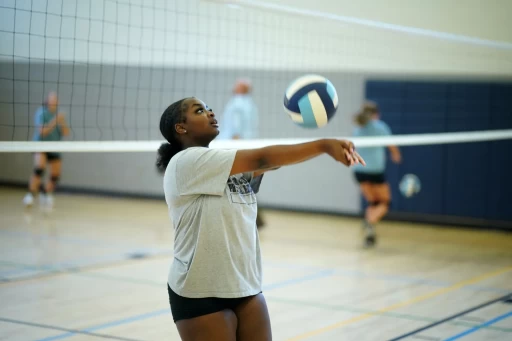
{"x": 50, "y": 156}
{"x": 375, "y": 178}
{"x": 187, "y": 308}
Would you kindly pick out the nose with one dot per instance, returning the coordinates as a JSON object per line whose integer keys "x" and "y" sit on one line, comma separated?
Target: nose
{"x": 211, "y": 113}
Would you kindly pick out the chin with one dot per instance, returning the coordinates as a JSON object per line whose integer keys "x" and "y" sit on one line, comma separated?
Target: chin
{"x": 213, "y": 136}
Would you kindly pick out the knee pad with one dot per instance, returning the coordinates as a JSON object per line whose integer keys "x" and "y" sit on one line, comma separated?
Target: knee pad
{"x": 55, "y": 179}
{"x": 39, "y": 171}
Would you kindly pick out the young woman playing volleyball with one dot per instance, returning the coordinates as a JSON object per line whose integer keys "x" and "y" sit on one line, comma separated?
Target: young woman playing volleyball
{"x": 371, "y": 178}
{"x": 215, "y": 280}
{"x": 50, "y": 125}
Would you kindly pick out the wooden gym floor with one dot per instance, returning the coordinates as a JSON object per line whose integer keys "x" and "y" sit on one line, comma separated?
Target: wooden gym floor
{"x": 96, "y": 268}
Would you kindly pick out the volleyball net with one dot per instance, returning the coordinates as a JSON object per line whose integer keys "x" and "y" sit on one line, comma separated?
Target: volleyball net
{"x": 117, "y": 64}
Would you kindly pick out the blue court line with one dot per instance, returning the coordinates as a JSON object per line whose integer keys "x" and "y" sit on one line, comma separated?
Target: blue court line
{"x": 24, "y": 269}
{"x": 474, "y": 329}
{"x": 389, "y": 277}
{"x": 109, "y": 324}
{"x": 83, "y": 263}
{"x": 452, "y": 317}
{"x": 47, "y": 326}
{"x": 136, "y": 318}
{"x": 65, "y": 239}
{"x": 318, "y": 275}
{"x": 91, "y": 262}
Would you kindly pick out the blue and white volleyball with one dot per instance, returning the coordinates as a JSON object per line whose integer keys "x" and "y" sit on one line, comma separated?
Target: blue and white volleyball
{"x": 311, "y": 101}
{"x": 410, "y": 185}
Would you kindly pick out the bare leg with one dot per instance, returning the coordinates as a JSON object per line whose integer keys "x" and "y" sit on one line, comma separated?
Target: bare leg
{"x": 55, "y": 170}
{"x": 382, "y": 195}
{"x": 253, "y": 320}
{"x": 369, "y": 230}
{"x": 217, "y": 326}
{"x": 35, "y": 179}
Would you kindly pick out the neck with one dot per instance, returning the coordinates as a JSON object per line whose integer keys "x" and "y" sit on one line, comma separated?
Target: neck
{"x": 189, "y": 144}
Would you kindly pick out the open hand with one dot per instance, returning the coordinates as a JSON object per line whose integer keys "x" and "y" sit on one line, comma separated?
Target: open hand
{"x": 343, "y": 151}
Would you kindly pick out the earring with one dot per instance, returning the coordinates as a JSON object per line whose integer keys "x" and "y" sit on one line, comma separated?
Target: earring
{"x": 184, "y": 131}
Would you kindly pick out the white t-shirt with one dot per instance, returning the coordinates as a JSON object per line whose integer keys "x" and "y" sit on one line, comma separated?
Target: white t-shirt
{"x": 216, "y": 244}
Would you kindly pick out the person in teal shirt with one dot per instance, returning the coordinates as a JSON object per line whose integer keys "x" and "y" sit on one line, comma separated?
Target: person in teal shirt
{"x": 50, "y": 125}
{"x": 240, "y": 121}
{"x": 371, "y": 178}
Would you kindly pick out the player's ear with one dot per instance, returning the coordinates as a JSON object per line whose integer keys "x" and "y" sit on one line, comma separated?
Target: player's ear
{"x": 180, "y": 129}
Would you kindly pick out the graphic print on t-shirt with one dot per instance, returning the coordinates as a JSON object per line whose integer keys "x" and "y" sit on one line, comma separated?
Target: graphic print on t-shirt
{"x": 240, "y": 191}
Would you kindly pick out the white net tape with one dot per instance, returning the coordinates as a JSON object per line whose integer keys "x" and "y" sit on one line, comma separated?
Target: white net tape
{"x": 152, "y": 146}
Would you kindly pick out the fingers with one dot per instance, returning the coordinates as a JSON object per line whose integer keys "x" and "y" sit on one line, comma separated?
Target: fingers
{"x": 351, "y": 155}
{"x": 347, "y": 145}
{"x": 348, "y": 158}
{"x": 359, "y": 158}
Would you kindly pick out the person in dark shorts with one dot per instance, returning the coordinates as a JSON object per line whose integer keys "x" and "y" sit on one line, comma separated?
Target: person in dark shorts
{"x": 50, "y": 125}
{"x": 371, "y": 178}
{"x": 215, "y": 278}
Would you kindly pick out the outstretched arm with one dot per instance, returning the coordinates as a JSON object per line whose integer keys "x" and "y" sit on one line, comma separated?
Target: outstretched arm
{"x": 271, "y": 157}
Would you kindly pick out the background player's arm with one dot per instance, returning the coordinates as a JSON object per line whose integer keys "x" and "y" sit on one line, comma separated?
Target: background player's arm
{"x": 266, "y": 158}
{"x": 61, "y": 121}
{"x": 396, "y": 156}
{"x": 45, "y": 129}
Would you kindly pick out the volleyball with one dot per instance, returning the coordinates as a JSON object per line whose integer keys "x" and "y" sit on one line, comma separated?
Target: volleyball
{"x": 311, "y": 101}
{"x": 410, "y": 185}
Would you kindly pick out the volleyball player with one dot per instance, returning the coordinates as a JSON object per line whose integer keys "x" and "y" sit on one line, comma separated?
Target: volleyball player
{"x": 50, "y": 125}
{"x": 240, "y": 120}
{"x": 215, "y": 279}
{"x": 371, "y": 178}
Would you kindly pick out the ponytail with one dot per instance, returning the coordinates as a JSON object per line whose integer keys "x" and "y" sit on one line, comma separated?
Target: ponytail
{"x": 172, "y": 115}
{"x": 165, "y": 154}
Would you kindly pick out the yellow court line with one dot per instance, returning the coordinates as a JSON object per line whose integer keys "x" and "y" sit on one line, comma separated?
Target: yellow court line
{"x": 402, "y": 304}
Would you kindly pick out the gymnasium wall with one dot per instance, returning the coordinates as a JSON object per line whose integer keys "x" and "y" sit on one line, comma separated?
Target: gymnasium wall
{"x": 462, "y": 180}
{"x": 450, "y": 174}
{"x": 130, "y": 116}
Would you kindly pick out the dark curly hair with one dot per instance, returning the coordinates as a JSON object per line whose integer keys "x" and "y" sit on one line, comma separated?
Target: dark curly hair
{"x": 175, "y": 113}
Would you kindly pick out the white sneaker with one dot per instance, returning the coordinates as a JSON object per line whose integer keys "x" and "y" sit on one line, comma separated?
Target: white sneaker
{"x": 28, "y": 200}
{"x": 42, "y": 200}
{"x": 49, "y": 202}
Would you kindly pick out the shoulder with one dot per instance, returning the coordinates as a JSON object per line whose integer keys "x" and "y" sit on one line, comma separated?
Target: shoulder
{"x": 39, "y": 111}
{"x": 193, "y": 153}
{"x": 199, "y": 157}
{"x": 383, "y": 126}
{"x": 358, "y": 131}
